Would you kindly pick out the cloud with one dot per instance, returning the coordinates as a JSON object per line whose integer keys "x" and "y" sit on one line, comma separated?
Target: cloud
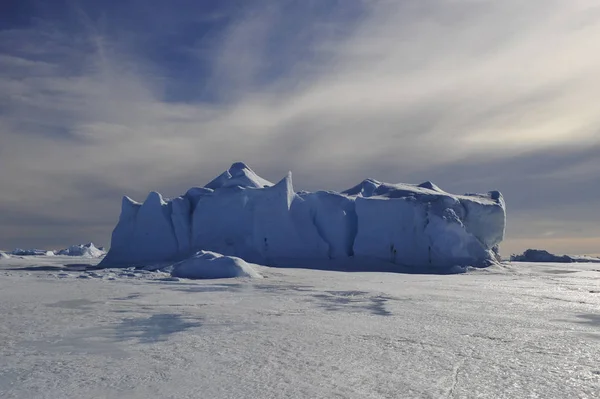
{"x": 469, "y": 93}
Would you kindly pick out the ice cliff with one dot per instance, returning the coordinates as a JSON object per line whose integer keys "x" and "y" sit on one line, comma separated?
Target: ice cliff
{"x": 243, "y": 215}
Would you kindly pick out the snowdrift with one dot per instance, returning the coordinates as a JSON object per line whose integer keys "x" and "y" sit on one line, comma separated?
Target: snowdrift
{"x": 4, "y": 255}
{"x": 243, "y": 215}
{"x": 207, "y": 265}
{"x": 539, "y": 255}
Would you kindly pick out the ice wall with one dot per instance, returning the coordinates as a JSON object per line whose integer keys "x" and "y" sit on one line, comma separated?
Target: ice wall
{"x": 423, "y": 225}
{"x": 243, "y": 215}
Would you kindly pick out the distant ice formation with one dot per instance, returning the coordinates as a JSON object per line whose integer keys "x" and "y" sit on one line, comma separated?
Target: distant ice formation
{"x": 243, "y": 215}
{"x": 4, "y": 255}
{"x": 539, "y": 255}
{"x": 32, "y": 252}
{"x": 85, "y": 250}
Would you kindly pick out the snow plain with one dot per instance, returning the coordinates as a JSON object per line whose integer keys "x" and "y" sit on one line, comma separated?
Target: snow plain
{"x": 519, "y": 330}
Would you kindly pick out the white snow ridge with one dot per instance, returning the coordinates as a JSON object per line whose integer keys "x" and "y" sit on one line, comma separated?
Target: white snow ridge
{"x": 240, "y": 214}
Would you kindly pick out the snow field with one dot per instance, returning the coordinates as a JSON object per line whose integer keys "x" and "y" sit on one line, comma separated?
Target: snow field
{"x": 515, "y": 330}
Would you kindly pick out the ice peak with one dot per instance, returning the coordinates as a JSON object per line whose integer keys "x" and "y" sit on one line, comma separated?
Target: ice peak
{"x": 238, "y": 167}
{"x": 239, "y": 174}
{"x": 364, "y": 188}
{"x": 128, "y": 201}
{"x": 430, "y": 186}
{"x": 154, "y": 198}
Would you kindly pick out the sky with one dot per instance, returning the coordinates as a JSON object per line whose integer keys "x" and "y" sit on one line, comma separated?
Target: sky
{"x": 113, "y": 98}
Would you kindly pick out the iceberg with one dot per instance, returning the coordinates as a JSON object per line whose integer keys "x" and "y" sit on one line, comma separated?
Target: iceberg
{"x": 242, "y": 215}
{"x": 540, "y": 255}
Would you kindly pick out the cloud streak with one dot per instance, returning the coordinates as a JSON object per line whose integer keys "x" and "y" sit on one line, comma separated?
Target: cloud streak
{"x": 477, "y": 95}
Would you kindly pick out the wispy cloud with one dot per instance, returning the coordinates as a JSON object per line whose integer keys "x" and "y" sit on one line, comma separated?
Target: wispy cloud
{"x": 390, "y": 89}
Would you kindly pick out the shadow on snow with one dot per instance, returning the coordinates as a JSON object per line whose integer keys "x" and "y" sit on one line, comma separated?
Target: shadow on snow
{"x": 152, "y": 329}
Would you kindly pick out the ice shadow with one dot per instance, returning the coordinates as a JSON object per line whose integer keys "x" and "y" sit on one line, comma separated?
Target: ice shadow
{"x": 156, "y": 328}
{"x": 560, "y": 271}
{"x": 72, "y": 267}
{"x": 105, "y": 339}
{"x": 128, "y": 297}
{"x": 78, "y": 304}
{"x": 353, "y": 301}
{"x": 38, "y": 268}
{"x": 197, "y": 288}
{"x": 359, "y": 264}
{"x": 590, "y": 318}
{"x": 274, "y": 288}
{"x": 349, "y": 264}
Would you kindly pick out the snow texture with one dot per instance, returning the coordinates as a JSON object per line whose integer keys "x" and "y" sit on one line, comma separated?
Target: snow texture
{"x": 243, "y": 215}
{"x": 4, "y": 255}
{"x": 85, "y": 250}
{"x": 538, "y": 255}
{"x": 208, "y": 265}
{"x": 521, "y": 330}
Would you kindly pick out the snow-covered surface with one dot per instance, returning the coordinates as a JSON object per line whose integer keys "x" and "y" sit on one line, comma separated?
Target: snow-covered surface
{"x": 240, "y": 214}
{"x": 4, "y": 255}
{"x": 513, "y": 331}
{"x": 539, "y": 255}
{"x": 210, "y": 265}
{"x": 86, "y": 250}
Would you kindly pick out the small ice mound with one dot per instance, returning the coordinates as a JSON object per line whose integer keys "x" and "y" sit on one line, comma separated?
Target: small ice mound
{"x": 4, "y": 255}
{"x": 208, "y": 265}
